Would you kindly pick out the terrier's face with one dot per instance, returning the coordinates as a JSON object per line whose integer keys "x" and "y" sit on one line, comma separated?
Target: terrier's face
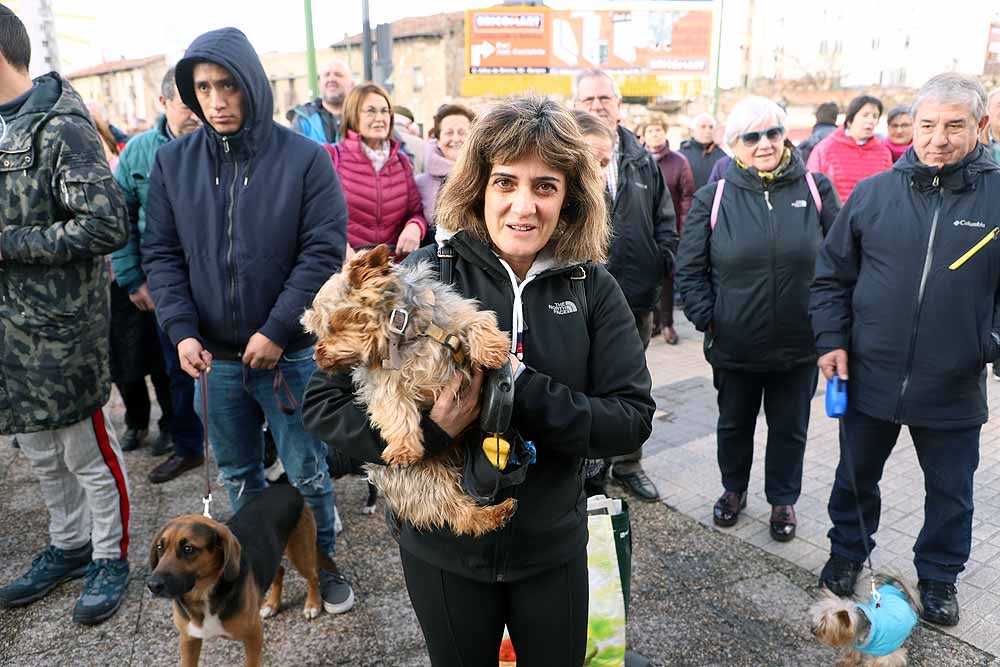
{"x": 349, "y": 315}
{"x": 836, "y": 622}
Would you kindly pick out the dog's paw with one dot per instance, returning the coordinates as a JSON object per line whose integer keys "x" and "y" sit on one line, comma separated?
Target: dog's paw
{"x": 401, "y": 456}
{"x": 267, "y": 611}
{"x": 311, "y": 612}
{"x": 368, "y": 509}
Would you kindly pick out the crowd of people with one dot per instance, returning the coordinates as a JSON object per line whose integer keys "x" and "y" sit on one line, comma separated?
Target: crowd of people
{"x": 198, "y": 245}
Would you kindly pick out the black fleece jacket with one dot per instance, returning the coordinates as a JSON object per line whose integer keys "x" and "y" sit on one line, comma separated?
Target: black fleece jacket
{"x": 585, "y": 392}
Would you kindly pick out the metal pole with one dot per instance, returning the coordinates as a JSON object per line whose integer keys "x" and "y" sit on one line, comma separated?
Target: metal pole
{"x": 311, "y": 50}
{"x": 718, "y": 61}
{"x": 366, "y": 40}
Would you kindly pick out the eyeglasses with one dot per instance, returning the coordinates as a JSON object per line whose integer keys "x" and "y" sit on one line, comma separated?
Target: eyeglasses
{"x": 372, "y": 112}
{"x": 773, "y": 134}
{"x": 604, "y": 100}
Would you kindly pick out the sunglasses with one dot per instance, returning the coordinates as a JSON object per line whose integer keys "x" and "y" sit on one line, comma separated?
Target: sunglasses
{"x": 772, "y": 133}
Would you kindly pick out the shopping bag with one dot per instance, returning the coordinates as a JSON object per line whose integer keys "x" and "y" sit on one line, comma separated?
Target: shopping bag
{"x": 606, "y": 617}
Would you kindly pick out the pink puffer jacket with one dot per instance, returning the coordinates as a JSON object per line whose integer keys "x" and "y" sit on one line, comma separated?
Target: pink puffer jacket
{"x": 845, "y": 162}
{"x": 379, "y": 204}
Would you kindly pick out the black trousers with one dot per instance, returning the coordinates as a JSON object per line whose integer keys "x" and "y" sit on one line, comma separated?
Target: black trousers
{"x": 786, "y": 395}
{"x": 948, "y": 458}
{"x": 463, "y": 620}
{"x": 135, "y": 396}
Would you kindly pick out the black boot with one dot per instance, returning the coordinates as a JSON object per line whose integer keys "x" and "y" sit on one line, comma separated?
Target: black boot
{"x": 940, "y": 601}
{"x": 840, "y": 575}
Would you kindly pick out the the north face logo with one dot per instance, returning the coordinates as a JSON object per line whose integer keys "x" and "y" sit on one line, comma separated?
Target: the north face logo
{"x": 563, "y": 307}
{"x": 799, "y": 203}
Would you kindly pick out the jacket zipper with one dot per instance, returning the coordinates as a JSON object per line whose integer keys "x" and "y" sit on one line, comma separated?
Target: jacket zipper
{"x": 378, "y": 208}
{"x": 231, "y": 255}
{"x": 772, "y": 233}
{"x": 957, "y": 264}
{"x": 928, "y": 260}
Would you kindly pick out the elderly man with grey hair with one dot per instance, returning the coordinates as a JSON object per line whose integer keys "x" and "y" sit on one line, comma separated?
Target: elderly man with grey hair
{"x": 701, "y": 150}
{"x": 905, "y": 308}
{"x": 320, "y": 119}
{"x": 644, "y": 237}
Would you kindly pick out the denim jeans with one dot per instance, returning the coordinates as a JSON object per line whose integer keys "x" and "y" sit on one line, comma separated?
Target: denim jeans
{"x": 240, "y": 398}
{"x": 948, "y": 458}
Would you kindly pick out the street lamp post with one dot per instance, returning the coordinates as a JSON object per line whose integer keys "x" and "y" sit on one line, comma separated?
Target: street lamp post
{"x": 311, "y": 50}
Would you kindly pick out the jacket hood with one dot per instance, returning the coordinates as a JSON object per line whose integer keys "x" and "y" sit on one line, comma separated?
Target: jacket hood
{"x": 957, "y": 177}
{"x": 51, "y": 96}
{"x": 704, "y": 148}
{"x": 230, "y": 48}
{"x": 435, "y": 163}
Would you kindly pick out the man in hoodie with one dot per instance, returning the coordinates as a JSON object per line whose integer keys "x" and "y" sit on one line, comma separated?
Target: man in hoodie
{"x": 245, "y": 221}
{"x": 60, "y": 213}
{"x": 701, "y": 150}
{"x": 905, "y": 306}
{"x": 644, "y": 232}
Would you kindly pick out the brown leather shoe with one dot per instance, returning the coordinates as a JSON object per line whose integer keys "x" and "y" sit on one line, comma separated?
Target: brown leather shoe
{"x": 783, "y": 523}
{"x": 173, "y": 467}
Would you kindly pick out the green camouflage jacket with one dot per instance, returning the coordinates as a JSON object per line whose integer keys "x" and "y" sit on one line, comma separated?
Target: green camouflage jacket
{"x": 60, "y": 212}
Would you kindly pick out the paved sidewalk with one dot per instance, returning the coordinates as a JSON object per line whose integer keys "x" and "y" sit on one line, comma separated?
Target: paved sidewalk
{"x": 681, "y": 458}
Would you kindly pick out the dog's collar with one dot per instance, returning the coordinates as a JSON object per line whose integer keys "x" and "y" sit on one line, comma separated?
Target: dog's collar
{"x": 399, "y": 322}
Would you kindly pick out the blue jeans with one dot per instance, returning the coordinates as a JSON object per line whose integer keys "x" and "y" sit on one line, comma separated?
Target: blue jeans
{"x": 185, "y": 425}
{"x": 948, "y": 458}
{"x": 239, "y": 400}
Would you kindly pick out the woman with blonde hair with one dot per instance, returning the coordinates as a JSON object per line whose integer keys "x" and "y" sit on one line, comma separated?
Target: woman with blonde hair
{"x": 744, "y": 268}
{"x": 524, "y": 217}
{"x": 383, "y": 203}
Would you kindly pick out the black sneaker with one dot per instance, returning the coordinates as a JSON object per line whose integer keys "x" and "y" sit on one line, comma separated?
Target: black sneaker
{"x": 164, "y": 444}
{"x": 940, "y": 601}
{"x": 840, "y": 575}
{"x": 133, "y": 439}
{"x": 103, "y": 591}
{"x": 48, "y": 569}
{"x": 338, "y": 596}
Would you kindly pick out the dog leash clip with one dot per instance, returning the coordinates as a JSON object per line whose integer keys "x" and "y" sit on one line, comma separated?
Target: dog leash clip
{"x": 206, "y": 501}
{"x": 876, "y": 597}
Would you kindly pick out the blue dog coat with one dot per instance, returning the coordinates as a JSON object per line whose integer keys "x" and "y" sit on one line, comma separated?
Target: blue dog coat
{"x": 891, "y": 622}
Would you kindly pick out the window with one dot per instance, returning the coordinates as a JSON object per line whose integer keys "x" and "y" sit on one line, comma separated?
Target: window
{"x": 418, "y": 79}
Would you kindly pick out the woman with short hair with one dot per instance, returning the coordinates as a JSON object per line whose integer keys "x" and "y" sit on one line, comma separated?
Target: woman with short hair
{"x": 744, "y": 268}
{"x": 853, "y": 152}
{"x": 452, "y": 124}
{"x": 383, "y": 203}
{"x": 899, "y": 122}
{"x": 524, "y": 212}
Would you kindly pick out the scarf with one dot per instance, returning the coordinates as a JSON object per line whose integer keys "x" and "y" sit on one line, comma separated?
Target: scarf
{"x": 378, "y": 156}
{"x": 769, "y": 176}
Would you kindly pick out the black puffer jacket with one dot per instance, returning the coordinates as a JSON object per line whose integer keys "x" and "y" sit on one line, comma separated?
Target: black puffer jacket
{"x": 584, "y": 393}
{"x": 643, "y": 225}
{"x": 749, "y": 278}
{"x": 918, "y": 333}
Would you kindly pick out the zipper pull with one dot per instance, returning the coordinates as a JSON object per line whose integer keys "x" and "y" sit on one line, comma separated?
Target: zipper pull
{"x": 767, "y": 200}
{"x": 936, "y": 181}
{"x": 225, "y": 145}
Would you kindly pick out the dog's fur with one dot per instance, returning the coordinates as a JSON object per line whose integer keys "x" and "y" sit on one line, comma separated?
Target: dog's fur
{"x": 350, "y": 317}
{"x": 837, "y": 622}
{"x": 216, "y": 577}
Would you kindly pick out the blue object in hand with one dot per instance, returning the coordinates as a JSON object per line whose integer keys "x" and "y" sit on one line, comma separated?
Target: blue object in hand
{"x": 836, "y": 397}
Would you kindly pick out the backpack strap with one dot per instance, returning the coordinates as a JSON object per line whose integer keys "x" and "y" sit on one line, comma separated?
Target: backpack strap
{"x": 717, "y": 202}
{"x": 814, "y": 191}
{"x": 578, "y": 282}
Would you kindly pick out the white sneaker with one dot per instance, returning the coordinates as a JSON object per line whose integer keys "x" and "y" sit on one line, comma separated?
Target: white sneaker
{"x": 338, "y": 525}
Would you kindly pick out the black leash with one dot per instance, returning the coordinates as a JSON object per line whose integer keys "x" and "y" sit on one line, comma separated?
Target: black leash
{"x": 206, "y": 500}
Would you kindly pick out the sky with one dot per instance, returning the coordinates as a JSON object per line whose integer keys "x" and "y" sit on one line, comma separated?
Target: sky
{"x": 93, "y": 31}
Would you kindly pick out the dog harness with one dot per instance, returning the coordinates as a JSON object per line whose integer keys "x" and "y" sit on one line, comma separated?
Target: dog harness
{"x": 399, "y": 322}
{"x": 892, "y": 621}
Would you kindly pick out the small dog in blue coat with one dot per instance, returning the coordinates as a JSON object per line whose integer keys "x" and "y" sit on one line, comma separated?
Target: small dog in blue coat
{"x": 873, "y": 634}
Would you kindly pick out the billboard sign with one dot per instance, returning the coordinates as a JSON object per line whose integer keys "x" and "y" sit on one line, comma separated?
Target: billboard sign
{"x": 538, "y": 40}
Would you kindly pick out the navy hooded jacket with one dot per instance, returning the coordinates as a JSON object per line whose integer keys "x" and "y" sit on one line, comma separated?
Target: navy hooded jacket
{"x": 919, "y": 324}
{"x": 243, "y": 229}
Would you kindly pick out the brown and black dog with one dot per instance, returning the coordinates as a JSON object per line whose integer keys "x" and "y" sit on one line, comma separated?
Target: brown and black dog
{"x": 216, "y": 574}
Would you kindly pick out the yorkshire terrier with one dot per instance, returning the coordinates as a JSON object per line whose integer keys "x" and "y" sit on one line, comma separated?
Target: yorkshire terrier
{"x": 871, "y": 635}
{"x": 405, "y": 334}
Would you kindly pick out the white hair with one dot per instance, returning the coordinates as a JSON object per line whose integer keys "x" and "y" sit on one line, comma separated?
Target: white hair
{"x": 588, "y": 73}
{"x": 954, "y": 88}
{"x": 704, "y": 115}
{"x": 750, "y": 112}
{"x": 993, "y": 93}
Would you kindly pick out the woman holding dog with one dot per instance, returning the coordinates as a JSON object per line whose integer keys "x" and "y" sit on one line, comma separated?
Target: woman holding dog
{"x": 383, "y": 202}
{"x": 744, "y": 268}
{"x": 524, "y": 212}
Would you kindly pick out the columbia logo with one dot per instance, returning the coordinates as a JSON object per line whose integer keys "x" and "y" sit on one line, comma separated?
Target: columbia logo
{"x": 563, "y": 307}
{"x": 799, "y": 203}
{"x": 969, "y": 223}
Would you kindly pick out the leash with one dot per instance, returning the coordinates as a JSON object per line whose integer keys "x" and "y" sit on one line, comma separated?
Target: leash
{"x": 836, "y": 407}
{"x": 206, "y": 499}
